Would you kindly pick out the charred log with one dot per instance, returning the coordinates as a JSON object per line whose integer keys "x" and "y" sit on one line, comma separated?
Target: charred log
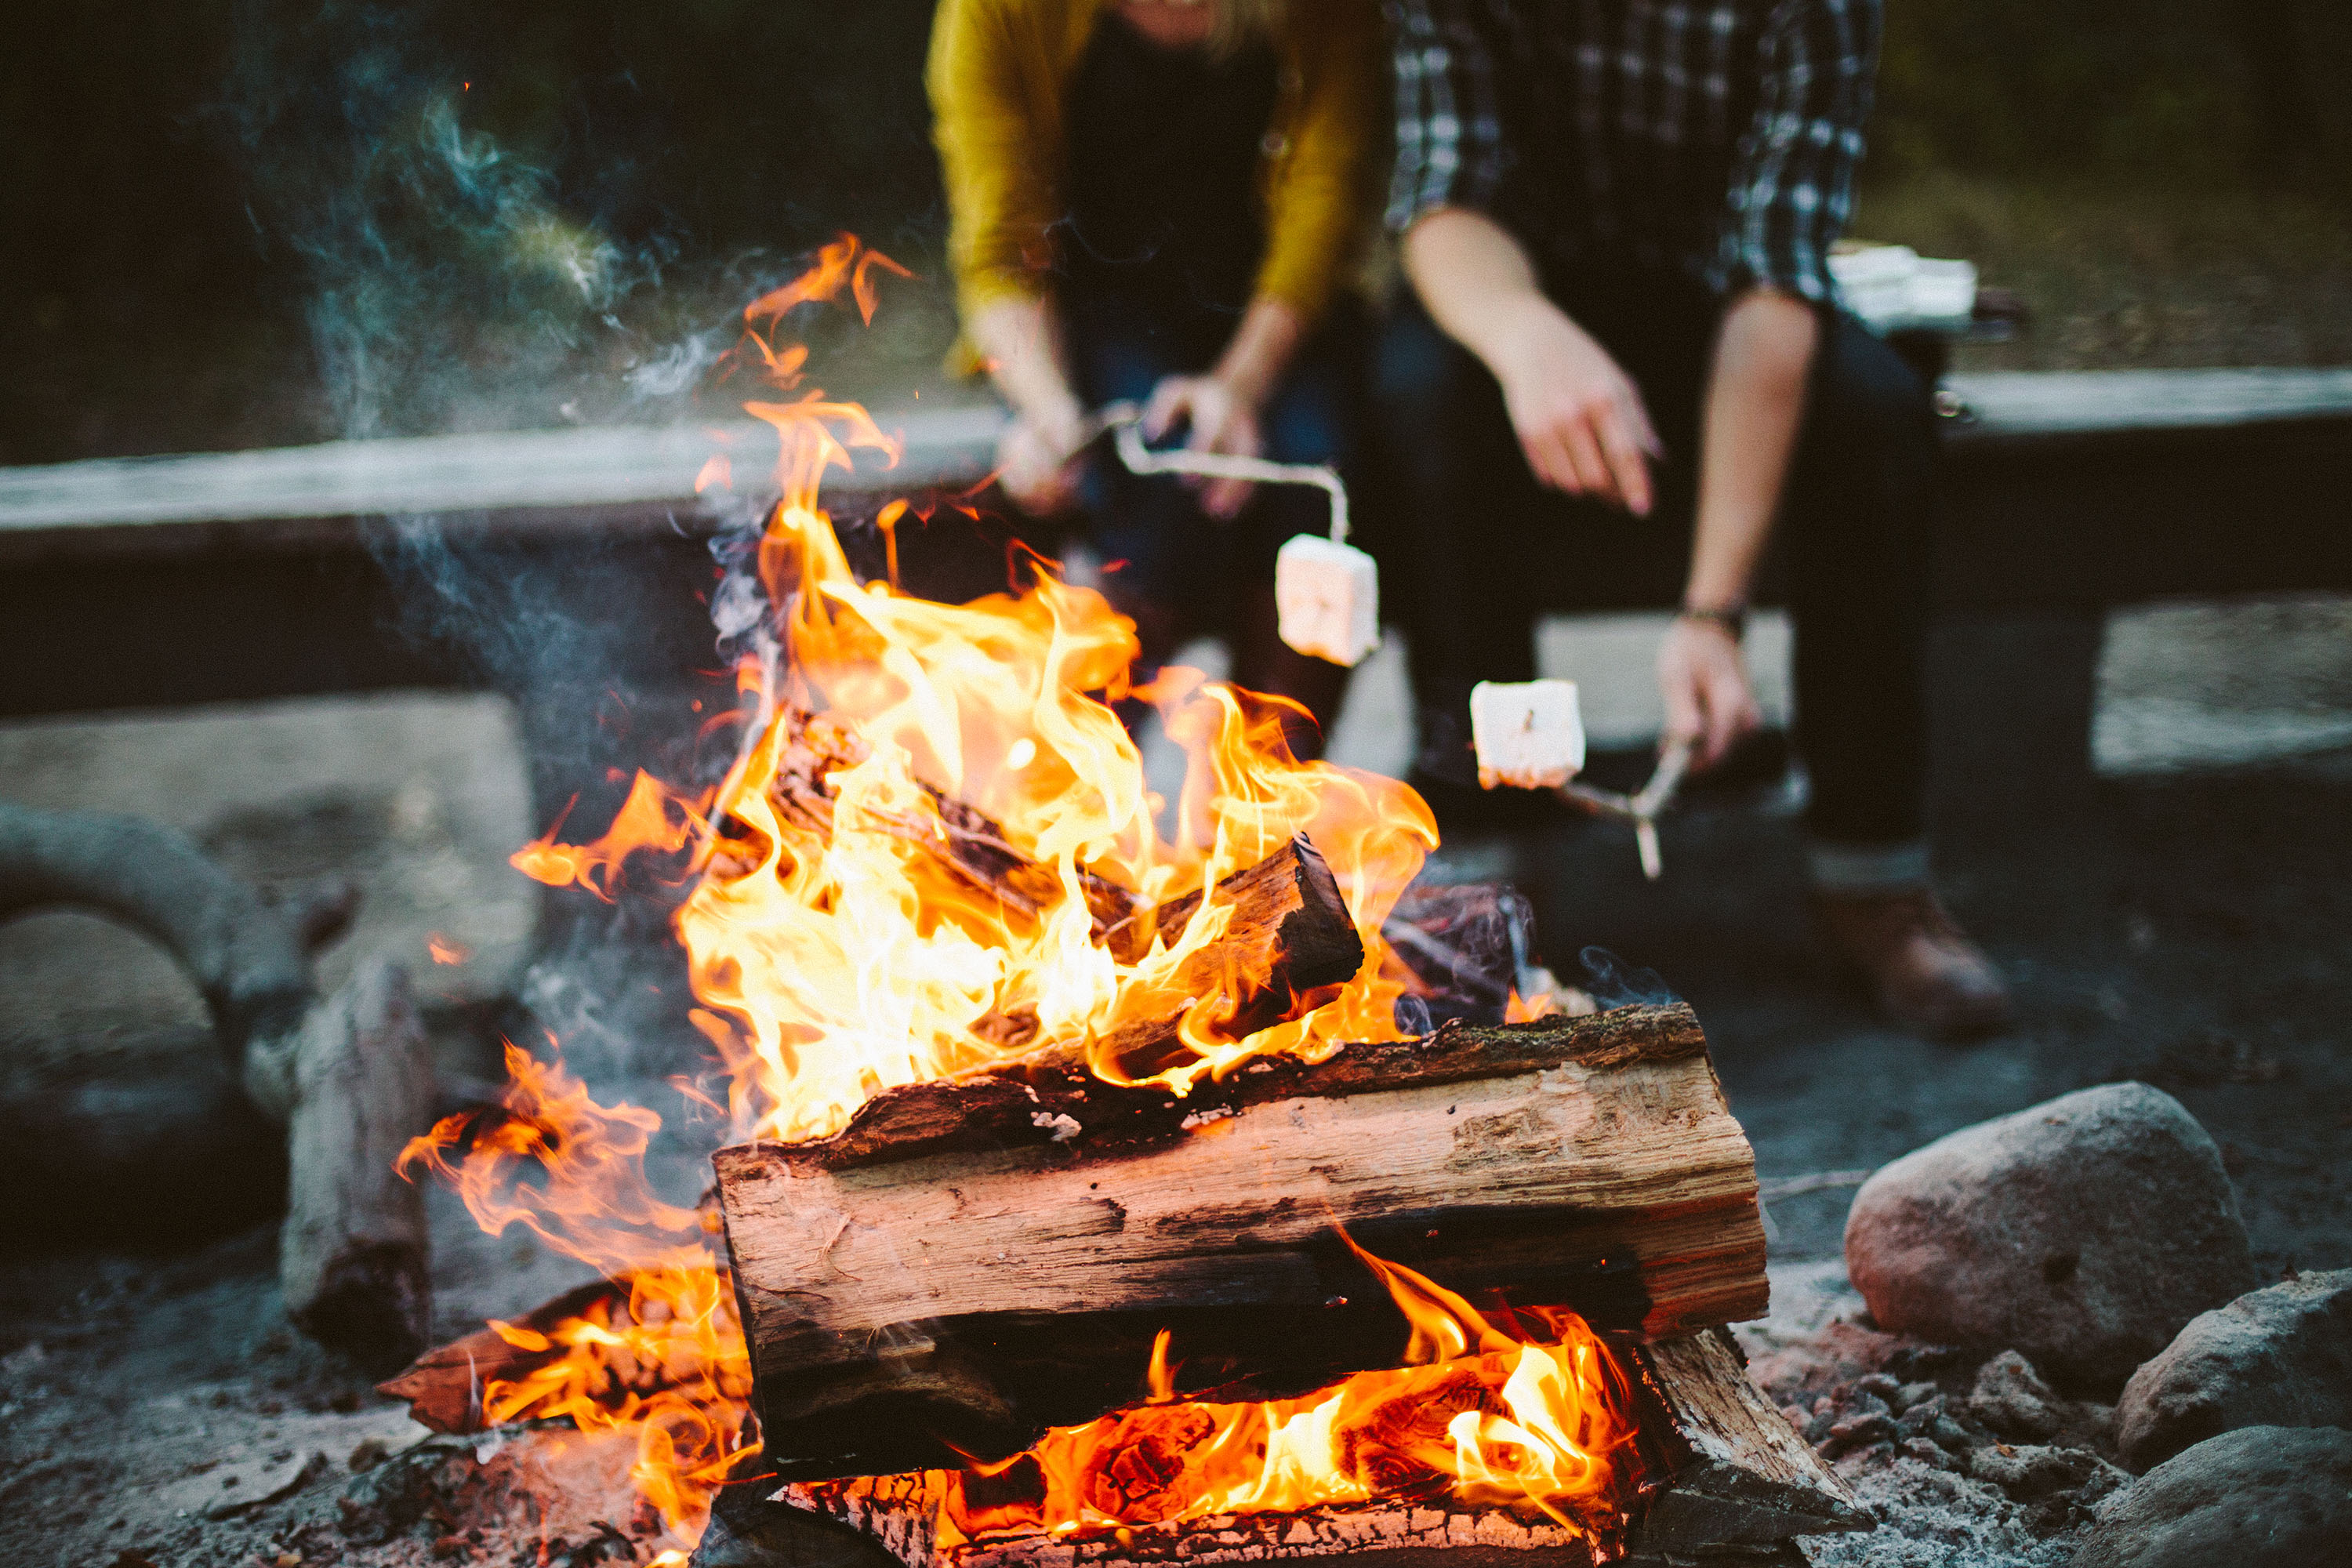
{"x": 1742, "y": 1476}
{"x": 1719, "y": 1471}
{"x": 900, "y": 1514}
{"x": 962, "y": 840}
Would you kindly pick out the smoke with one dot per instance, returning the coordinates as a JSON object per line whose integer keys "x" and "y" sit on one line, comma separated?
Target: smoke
{"x": 452, "y": 287}
{"x": 455, "y": 286}
{"x": 1610, "y": 982}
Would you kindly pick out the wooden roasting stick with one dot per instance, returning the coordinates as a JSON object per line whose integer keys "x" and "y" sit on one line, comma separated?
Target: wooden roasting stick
{"x": 970, "y": 1262}
{"x": 1721, "y": 1470}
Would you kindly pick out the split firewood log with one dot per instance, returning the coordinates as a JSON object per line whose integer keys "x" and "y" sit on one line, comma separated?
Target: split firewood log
{"x": 350, "y": 1077}
{"x": 971, "y": 1261}
{"x": 1743, "y": 1477}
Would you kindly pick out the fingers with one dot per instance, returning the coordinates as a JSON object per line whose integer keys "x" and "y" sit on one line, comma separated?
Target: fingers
{"x": 1169, "y": 400}
{"x": 1225, "y": 498}
{"x": 1629, "y": 471}
{"x": 1685, "y": 716}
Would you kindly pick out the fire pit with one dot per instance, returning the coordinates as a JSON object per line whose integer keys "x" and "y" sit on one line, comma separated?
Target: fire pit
{"x": 1090, "y": 1202}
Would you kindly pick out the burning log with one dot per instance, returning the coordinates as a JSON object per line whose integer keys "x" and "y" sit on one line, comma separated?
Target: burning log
{"x": 444, "y": 1387}
{"x": 1290, "y": 933}
{"x": 963, "y": 840}
{"x": 900, "y": 1514}
{"x": 1717, "y": 1466}
{"x": 350, "y": 1078}
{"x": 971, "y": 1261}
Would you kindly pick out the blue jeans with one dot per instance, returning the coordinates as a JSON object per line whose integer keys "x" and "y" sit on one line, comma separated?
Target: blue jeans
{"x": 1487, "y": 547}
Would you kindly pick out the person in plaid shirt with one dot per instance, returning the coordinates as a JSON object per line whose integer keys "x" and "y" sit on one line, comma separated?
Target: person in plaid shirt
{"x": 1615, "y": 218}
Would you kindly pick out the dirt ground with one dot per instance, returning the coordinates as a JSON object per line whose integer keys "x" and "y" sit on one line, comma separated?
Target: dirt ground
{"x": 2189, "y": 923}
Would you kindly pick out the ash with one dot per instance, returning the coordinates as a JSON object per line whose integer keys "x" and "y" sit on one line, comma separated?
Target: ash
{"x": 1968, "y": 1459}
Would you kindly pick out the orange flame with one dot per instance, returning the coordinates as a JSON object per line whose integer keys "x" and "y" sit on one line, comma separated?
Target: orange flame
{"x": 835, "y": 958}
{"x": 447, "y": 949}
{"x": 1529, "y": 1417}
{"x": 671, "y": 1366}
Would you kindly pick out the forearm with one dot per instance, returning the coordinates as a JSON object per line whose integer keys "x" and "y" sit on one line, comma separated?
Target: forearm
{"x": 1020, "y": 337}
{"x": 1754, "y": 403}
{"x": 1262, "y": 349}
{"x": 1476, "y": 281}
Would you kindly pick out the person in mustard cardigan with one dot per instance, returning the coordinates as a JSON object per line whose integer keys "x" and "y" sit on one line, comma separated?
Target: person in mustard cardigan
{"x": 1160, "y": 200}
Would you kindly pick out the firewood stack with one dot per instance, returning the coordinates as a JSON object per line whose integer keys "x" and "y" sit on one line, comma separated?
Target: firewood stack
{"x": 973, "y": 1260}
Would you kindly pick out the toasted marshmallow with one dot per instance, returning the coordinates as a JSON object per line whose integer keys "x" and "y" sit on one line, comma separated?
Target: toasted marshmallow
{"x": 1528, "y": 733}
{"x": 1328, "y": 596}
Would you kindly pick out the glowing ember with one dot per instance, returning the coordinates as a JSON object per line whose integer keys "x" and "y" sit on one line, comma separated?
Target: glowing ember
{"x": 1529, "y": 1412}
{"x": 832, "y": 963}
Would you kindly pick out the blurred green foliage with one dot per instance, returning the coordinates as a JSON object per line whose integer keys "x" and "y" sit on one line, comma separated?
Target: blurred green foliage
{"x": 219, "y": 216}
{"x": 2132, "y": 93}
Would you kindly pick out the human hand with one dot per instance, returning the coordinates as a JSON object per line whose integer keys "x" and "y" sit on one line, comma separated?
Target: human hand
{"x": 1036, "y": 459}
{"x": 1219, "y": 420}
{"x": 1579, "y": 416}
{"x": 1709, "y": 704}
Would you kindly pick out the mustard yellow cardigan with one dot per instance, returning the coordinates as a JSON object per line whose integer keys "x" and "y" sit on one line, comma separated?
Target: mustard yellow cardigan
{"x": 999, "y": 74}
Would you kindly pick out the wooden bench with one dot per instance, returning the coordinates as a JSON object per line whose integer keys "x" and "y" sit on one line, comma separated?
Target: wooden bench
{"x": 164, "y": 581}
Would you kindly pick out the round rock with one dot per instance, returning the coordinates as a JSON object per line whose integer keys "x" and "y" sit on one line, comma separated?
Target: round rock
{"x": 2261, "y": 1497}
{"x": 2083, "y": 1232}
{"x": 2277, "y": 1357}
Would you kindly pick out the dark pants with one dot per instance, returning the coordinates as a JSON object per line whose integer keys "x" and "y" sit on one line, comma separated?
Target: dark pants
{"x": 1475, "y": 548}
{"x": 1177, "y": 571}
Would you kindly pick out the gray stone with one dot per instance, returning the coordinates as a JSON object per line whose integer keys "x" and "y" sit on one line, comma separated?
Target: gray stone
{"x": 2031, "y": 1472}
{"x": 2276, "y": 1357}
{"x": 2082, "y": 1231}
{"x": 2260, "y": 1497}
{"x": 2011, "y": 1398}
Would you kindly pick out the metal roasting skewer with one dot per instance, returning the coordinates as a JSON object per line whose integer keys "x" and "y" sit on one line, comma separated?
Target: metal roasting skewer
{"x": 1642, "y": 808}
{"x": 1124, "y": 420}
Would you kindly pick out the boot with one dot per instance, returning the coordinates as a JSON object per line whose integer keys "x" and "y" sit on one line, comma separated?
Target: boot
{"x": 1921, "y": 969}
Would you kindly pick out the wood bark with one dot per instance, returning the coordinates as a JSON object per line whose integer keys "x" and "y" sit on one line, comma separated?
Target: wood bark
{"x": 1742, "y": 1476}
{"x": 967, "y": 1263}
{"x": 350, "y": 1077}
{"x": 900, "y": 1513}
{"x": 353, "y": 1254}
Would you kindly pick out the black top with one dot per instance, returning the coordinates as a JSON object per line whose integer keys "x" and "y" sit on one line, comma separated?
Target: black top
{"x": 1165, "y": 145}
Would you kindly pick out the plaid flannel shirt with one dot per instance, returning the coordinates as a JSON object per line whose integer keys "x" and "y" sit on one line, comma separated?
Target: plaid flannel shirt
{"x": 1719, "y": 138}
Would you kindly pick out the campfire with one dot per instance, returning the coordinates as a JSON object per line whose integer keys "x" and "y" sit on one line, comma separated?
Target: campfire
{"x": 1087, "y": 1196}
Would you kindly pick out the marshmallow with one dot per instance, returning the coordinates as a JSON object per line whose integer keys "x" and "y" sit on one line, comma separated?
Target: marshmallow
{"x": 1328, "y": 595}
{"x": 1528, "y": 733}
